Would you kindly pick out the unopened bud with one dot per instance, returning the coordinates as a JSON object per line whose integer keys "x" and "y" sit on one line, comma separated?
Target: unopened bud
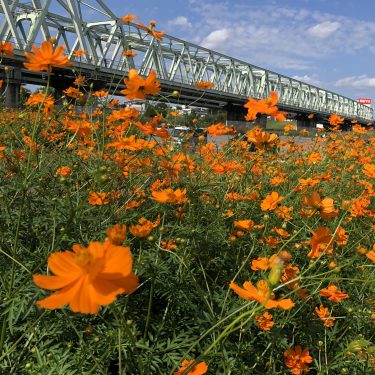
{"x": 175, "y": 94}
{"x": 357, "y": 345}
{"x": 275, "y": 273}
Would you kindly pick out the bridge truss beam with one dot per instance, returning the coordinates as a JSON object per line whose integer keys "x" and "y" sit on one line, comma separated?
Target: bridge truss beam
{"x": 91, "y": 26}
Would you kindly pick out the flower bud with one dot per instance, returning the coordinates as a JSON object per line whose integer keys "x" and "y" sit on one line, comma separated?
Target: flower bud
{"x": 275, "y": 273}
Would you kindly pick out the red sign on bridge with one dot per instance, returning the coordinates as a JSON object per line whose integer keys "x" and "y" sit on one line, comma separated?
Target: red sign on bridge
{"x": 366, "y": 101}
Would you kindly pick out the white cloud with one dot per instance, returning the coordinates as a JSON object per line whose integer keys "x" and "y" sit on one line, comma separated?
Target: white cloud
{"x": 181, "y": 21}
{"x": 324, "y": 29}
{"x": 361, "y": 82}
{"x": 311, "y": 80}
{"x": 216, "y": 38}
{"x": 279, "y": 37}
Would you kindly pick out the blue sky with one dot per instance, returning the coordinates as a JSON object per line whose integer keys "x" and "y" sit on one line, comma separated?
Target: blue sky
{"x": 329, "y": 43}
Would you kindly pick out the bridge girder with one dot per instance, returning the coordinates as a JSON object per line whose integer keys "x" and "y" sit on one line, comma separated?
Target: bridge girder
{"x": 179, "y": 64}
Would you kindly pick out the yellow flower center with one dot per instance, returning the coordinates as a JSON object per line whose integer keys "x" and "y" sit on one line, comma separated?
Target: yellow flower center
{"x": 89, "y": 264}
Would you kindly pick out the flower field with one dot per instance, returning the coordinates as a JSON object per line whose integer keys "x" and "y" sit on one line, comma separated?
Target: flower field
{"x": 123, "y": 252}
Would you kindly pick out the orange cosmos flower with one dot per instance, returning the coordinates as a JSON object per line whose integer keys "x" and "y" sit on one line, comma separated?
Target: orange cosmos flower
{"x": 168, "y": 246}
{"x": 79, "y": 53}
{"x": 266, "y": 106}
{"x": 151, "y": 30}
{"x": 325, "y": 316}
{"x": 359, "y": 129}
{"x": 263, "y": 263}
{"x": 39, "y": 98}
{"x": 333, "y": 293}
{"x": 313, "y": 200}
{"x": 261, "y": 139}
{"x": 218, "y": 129}
{"x": 271, "y": 201}
{"x": 63, "y": 171}
{"x": 336, "y": 120}
{"x": 371, "y": 254}
{"x": 297, "y": 359}
{"x": 132, "y": 144}
{"x": 321, "y": 241}
{"x": 284, "y": 212}
{"x": 369, "y": 170}
{"x": 170, "y": 196}
{"x": 128, "y": 18}
{"x": 88, "y": 277}
{"x": 245, "y": 224}
{"x": 341, "y": 236}
{"x": 1, "y": 83}
{"x": 265, "y": 321}
{"x": 289, "y": 127}
{"x": 6, "y": 48}
{"x": 327, "y": 209}
{"x": 129, "y": 53}
{"x": 45, "y": 58}
{"x": 100, "y": 94}
{"x": 325, "y": 206}
{"x": 138, "y": 88}
{"x": 117, "y": 234}
{"x": 79, "y": 81}
{"x": 281, "y": 232}
{"x": 199, "y": 369}
{"x": 261, "y": 294}
{"x": 144, "y": 227}
{"x": 72, "y": 92}
{"x": 204, "y": 85}
{"x": 98, "y": 198}
{"x": 308, "y": 182}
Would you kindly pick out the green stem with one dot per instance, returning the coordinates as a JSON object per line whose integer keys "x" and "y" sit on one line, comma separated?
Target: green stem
{"x": 149, "y": 309}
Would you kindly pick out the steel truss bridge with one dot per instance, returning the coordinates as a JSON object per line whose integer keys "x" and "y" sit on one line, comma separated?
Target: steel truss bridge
{"x": 90, "y": 25}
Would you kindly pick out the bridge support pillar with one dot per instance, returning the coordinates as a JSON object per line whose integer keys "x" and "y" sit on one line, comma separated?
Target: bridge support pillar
{"x": 12, "y": 88}
{"x": 236, "y": 115}
{"x": 12, "y": 94}
{"x": 261, "y": 121}
{"x": 306, "y": 123}
{"x": 58, "y": 94}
